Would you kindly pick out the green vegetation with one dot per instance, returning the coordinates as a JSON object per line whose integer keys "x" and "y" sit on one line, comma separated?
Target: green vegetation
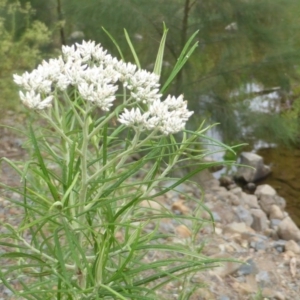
{"x": 22, "y": 41}
{"x": 245, "y": 49}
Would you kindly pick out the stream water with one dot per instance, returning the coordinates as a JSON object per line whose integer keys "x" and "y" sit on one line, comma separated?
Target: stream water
{"x": 285, "y": 176}
{"x": 284, "y": 162}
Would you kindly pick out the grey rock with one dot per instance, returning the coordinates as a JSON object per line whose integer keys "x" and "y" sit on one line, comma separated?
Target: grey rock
{"x": 250, "y": 200}
{"x": 259, "y": 242}
{"x": 276, "y": 212}
{"x": 244, "y": 215}
{"x": 258, "y": 170}
{"x": 274, "y": 223}
{"x": 279, "y": 245}
{"x": 263, "y": 278}
{"x": 234, "y": 199}
{"x": 247, "y": 268}
{"x": 280, "y": 202}
{"x": 223, "y": 297}
{"x": 266, "y": 195}
{"x": 258, "y": 245}
{"x": 292, "y": 246}
{"x": 224, "y": 211}
{"x": 288, "y": 230}
{"x": 260, "y": 220}
{"x": 236, "y": 227}
{"x": 216, "y": 217}
{"x": 226, "y": 181}
{"x": 237, "y": 191}
{"x": 265, "y": 189}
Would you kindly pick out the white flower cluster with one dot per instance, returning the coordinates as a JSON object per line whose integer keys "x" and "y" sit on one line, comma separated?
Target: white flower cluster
{"x": 168, "y": 116}
{"x": 95, "y": 74}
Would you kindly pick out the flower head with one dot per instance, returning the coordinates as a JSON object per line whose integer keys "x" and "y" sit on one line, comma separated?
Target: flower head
{"x": 96, "y": 75}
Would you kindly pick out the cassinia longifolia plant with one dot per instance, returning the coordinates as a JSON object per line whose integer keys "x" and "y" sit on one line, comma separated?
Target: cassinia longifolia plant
{"x": 103, "y": 144}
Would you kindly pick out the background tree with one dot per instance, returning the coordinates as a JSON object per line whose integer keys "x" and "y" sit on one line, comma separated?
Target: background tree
{"x": 244, "y": 47}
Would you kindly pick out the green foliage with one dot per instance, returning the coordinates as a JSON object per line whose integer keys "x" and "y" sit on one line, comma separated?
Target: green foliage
{"x": 240, "y": 42}
{"x": 21, "y": 43}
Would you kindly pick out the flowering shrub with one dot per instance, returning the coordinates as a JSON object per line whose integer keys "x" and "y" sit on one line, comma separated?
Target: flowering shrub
{"x": 85, "y": 234}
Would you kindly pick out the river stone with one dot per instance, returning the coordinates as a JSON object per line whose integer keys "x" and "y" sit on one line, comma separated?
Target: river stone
{"x": 274, "y": 223}
{"x": 280, "y": 202}
{"x": 237, "y": 191}
{"x": 238, "y": 227}
{"x": 264, "y": 189}
{"x": 225, "y": 212}
{"x": 260, "y": 220}
{"x": 244, "y": 215}
{"x": 266, "y": 195}
{"x": 288, "y": 230}
{"x": 247, "y": 268}
{"x": 258, "y": 170}
{"x": 234, "y": 199}
{"x": 276, "y": 212}
{"x": 250, "y": 200}
{"x": 292, "y": 246}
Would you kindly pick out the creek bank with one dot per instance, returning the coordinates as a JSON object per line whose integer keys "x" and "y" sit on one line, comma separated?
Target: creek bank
{"x": 252, "y": 228}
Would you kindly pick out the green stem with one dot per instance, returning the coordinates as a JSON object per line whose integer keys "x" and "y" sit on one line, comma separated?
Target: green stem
{"x": 47, "y": 257}
{"x": 123, "y": 156}
{"x": 58, "y": 130}
{"x": 110, "y": 116}
{"x": 84, "y": 170}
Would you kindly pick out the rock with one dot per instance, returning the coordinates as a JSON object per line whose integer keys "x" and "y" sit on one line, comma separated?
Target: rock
{"x": 279, "y": 245}
{"x": 183, "y": 232}
{"x": 226, "y": 268}
{"x": 226, "y": 181}
{"x": 244, "y": 215}
{"x": 247, "y": 268}
{"x": 274, "y": 223}
{"x": 179, "y": 208}
{"x": 260, "y": 220}
{"x": 250, "y": 200}
{"x": 280, "y": 202}
{"x": 216, "y": 217}
{"x": 276, "y": 212}
{"x": 250, "y": 187}
{"x": 258, "y": 170}
{"x": 223, "y": 297}
{"x": 260, "y": 244}
{"x": 263, "y": 277}
{"x": 264, "y": 189}
{"x": 237, "y": 191}
{"x": 223, "y": 195}
{"x": 224, "y": 211}
{"x": 236, "y": 227}
{"x": 292, "y": 246}
{"x": 266, "y": 195}
{"x": 287, "y": 230}
{"x": 234, "y": 199}
{"x": 151, "y": 205}
{"x": 279, "y": 296}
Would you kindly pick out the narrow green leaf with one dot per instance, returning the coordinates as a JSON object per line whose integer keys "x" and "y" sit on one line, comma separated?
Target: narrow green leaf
{"x": 136, "y": 59}
{"x": 43, "y": 166}
{"x": 160, "y": 54}
{"x": 183, "y": 57}
{"x": 115, "y": 43}
{"x": 23, "y": 255}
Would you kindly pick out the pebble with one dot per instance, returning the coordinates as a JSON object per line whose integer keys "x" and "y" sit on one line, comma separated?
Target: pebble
{"x": 247, "y": 268}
